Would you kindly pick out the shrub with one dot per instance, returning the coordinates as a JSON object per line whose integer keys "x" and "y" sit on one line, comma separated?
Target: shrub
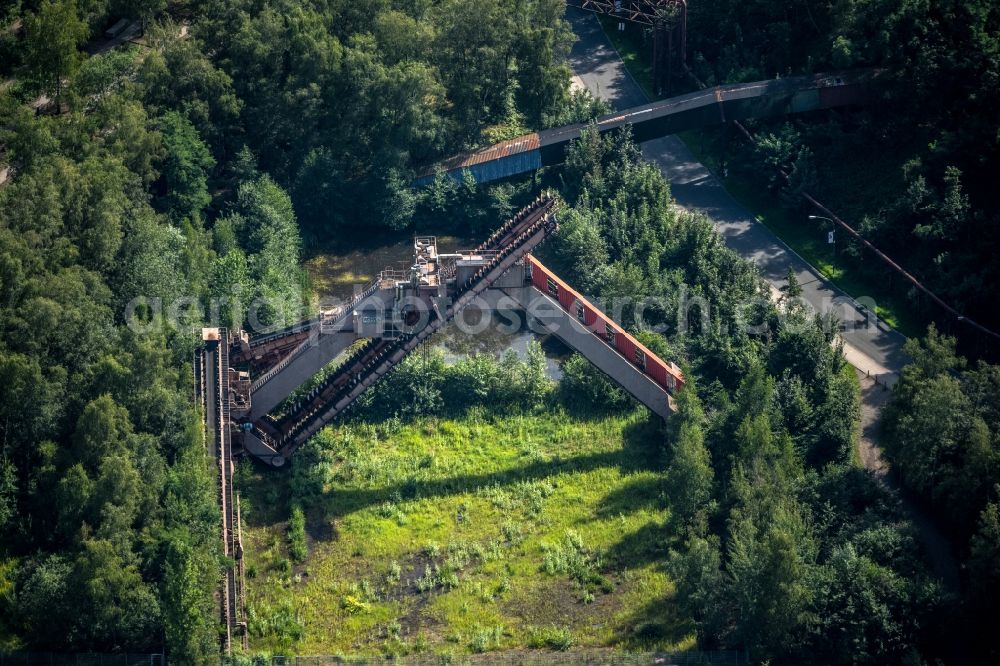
{"x": 297, "y": 548}
{"x": 391, "y": 511}
{"x": 572, "y": 558}
{"x": 585, "y": 388}
{"x": 312, "y": 469}
{"x": 280, "y": 623}
{"x": 551, "y": 637}
{"x": 394, "y": 575}
{"x": 485, "y": 639}
{"x": 353, "y": 605}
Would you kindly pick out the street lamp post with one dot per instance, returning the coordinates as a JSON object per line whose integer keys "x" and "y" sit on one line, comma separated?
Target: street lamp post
{"x": 831, "y": 235}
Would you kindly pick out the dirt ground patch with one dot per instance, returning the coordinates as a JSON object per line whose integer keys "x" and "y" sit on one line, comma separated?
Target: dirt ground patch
{"x": 874, "y": 396}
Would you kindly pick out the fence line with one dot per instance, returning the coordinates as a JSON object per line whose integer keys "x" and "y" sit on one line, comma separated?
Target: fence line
{"x": 81, "y": 659}
{"x": 506, "y": 658}
{"x": 510, "y": 658}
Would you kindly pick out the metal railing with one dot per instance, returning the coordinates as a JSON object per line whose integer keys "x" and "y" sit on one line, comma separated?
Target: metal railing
{"x": 388, "y": 275}
{"x": 508, "y": 228}
{"x": 542, "y": 222}
{"x": 325, "y": 326}
{"x": 280, "y": 365}
{"x": 283, "y": 333}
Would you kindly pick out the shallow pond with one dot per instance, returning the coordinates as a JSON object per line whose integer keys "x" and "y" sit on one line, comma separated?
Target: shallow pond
{"x": 341, "y": 274}
{"x": 338, "y": 274}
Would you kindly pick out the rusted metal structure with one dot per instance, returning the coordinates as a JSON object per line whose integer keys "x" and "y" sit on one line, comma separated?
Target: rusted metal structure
{"x": 665, "y": 374}
{"x": 377, "y": 329}
{"x": 712, "y": 106}
{"x": 220, "y": 389}
{"x": 668, "y": 20}
{"x": 239, "y": 380}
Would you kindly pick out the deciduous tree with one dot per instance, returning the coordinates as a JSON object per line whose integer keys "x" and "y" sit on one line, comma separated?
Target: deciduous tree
{"x": 53, "y": 36}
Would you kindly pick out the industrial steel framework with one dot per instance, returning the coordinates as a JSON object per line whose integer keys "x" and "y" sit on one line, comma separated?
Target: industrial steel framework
{"x": 668, "y": 19}
{"x": 242, "y": 382}
{"x": 399, "y": 311}
{"x": 704, "y": 108}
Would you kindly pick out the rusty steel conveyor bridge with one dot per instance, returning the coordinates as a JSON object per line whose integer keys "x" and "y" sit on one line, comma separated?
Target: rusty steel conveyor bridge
{"x": 240, "y": 380}
{"x": 704, "y": 108}
{"x": 216, "y": 384}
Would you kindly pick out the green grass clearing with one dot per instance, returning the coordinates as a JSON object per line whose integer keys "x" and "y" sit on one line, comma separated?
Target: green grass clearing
{"x": 464, "y": 536}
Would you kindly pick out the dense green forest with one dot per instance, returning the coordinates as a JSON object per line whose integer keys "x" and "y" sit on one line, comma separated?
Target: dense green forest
{"x": 240, "y": 135}
{"x": 941, "y": 432}
{"x": 190, "y": 167}
{"x": 782, "y": 546}
{"x": 914, "y": 173}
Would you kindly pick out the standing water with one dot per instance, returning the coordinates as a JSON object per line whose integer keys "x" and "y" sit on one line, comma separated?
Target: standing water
{"x": 339, "y": 274}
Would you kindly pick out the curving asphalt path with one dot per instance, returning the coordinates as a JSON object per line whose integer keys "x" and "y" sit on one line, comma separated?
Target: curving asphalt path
{"x": 870, "y": 345}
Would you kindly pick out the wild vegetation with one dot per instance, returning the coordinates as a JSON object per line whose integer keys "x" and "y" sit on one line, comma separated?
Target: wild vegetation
{"x": 777, "y": 523}
{"x": 941, "y": 431}
{"x": 186, "y": 167}
{"x": 469, "y": 507}
{"x": 466, "y": 528}
{"x": 758, "y": 528}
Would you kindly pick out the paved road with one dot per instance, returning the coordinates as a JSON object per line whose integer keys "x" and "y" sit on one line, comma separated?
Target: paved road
{"x": 873, "y": 349}
{"x": 870, "y": 345}
{"x": 595, "y": 61}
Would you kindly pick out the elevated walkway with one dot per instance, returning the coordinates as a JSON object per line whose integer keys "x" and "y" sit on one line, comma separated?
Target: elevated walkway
{"x": 212, "y": 386}
{"x": 311, "y": 355}
{"x": 566, "y": 314}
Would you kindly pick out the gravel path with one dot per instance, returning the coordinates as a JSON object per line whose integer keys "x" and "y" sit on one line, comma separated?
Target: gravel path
{"x": 873, "y": 397}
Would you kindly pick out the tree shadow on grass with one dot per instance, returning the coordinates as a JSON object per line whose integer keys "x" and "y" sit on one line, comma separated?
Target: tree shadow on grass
{"x": 647, "y": 545}
{"x": 641, "y": 450}
{"x": 660, "y": 624}
{"x": 264, "y": 495}
{"x": 645, "y": 492}
{"x": 636, "y": 494}
{"x": 643, "y": 440}
{"x": 654, "y": 627}
{"x": 343, "y": 501}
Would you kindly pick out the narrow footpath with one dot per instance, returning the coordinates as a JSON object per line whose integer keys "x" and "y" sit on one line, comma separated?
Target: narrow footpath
{"x": 874, "y": 349}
